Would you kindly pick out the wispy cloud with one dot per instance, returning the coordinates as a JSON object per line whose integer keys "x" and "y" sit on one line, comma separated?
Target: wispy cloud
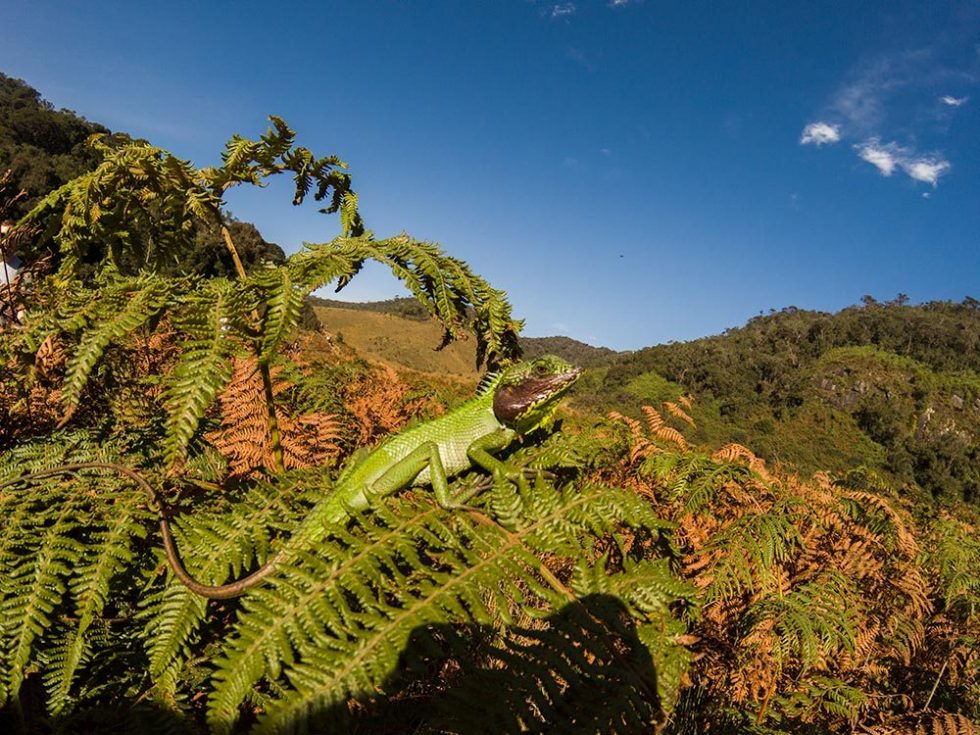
{"x": 562, "y": 10}
{"x": 820, "y": 133}
{"x": 926, "y": 169}
{"x": 893, "y": 97}
{"x": 579, "y": 57}
{"x": 887, "y": 157}
{"x": 859, "y": 103}
{"x": 882, "y": 157}
{"x": 948, "y": 99}
{"x": 621, "y": 3}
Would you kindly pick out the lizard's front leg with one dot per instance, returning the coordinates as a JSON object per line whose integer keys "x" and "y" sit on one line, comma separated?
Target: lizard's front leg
{"x": 480, "y": 455}
{"x": 403, "y": 473}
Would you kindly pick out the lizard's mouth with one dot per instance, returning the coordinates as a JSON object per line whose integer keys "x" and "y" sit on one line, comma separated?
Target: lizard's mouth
{"x": 514, "y": 401}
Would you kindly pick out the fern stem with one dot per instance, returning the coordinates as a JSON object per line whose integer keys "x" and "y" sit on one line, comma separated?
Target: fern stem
{"x": 274, "y": 434}
{"x": 935, "y": 685}
{"x": 270, "y": 403}
{"x": 230, "y": 244}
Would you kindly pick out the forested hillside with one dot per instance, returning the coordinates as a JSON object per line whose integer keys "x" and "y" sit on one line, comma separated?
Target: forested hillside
{"x": 887, "y": 387}
{"x": 43, "y": 147}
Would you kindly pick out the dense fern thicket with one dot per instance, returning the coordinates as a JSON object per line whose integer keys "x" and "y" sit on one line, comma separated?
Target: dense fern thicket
{"x": 822, "y": 606}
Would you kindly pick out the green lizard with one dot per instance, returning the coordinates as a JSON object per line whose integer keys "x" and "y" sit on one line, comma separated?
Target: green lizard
{"x": 509, "y": 404}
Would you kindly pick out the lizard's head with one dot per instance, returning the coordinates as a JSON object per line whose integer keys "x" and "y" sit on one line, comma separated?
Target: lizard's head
{"x": 526, "y": 395}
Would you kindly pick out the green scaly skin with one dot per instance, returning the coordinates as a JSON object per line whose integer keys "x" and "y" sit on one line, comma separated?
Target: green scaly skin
{"x": 517, "y": 401}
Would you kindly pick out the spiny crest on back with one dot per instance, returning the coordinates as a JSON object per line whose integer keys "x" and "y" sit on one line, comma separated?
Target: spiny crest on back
{"x": 488, "y": 382}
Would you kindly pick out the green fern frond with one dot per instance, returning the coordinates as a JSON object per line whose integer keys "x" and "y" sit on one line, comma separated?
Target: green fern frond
{"x": 650, "y": 591}
{"x": 35, "y": 583}
{"x": 204, "y": 367}
{"x": 283, "y": 301}
{"x": 749, "y": 550}
{"x": 824, "y": 695}
{"x": 957, "y": 559}
{"x": 813, "y": 621}
{"x": 122, "y": 309}
{"x": 334, "y": 628}
{"x": 444, "y": 285}
{"x": 108, "y": 551}
{"x": 216, "y": 546}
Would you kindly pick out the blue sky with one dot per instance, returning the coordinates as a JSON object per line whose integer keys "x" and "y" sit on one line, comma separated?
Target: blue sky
{"x": 629, "y": 171}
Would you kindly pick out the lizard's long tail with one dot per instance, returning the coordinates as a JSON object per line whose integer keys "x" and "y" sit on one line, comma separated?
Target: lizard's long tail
{"x": 213, "y": 592}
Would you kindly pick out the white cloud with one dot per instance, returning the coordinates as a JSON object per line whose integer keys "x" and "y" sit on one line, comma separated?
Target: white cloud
{"x": 927, "y": 170}
{"x": 861, "y": 101}
{"x": 948, "y": 99}
{"x": 890, "y": 156}
{"x": 884, "y": 158}
{"x": 619, "y": 3}
{"x": 819, "y": 133}
{"x": 561, "y": 10}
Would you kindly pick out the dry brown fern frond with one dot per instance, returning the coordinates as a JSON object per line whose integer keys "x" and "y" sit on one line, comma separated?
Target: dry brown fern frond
{"x": 653, "y": 418}
{"x": 904, "y": 538}
{"x": 669, "y": 434}
{"x": 245, "y": 437}
{"x": 310, "y": 440}
{"x": 926, "y": 723}
{"x": 734, "y": 452}
{"x": 658, "y": 428}
{"x": 377, "y": 400}
{"x": 640, "y": 446}
{"x": 674, "y": 410}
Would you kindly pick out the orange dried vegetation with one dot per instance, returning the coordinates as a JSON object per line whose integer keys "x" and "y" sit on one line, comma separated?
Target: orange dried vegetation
{"x": 378, "y": 401}
{"x": 245, "y": 436}
{"x": 803, "y": 583}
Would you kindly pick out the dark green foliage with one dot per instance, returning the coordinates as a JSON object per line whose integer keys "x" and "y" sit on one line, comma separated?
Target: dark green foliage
{"x": 43, "y": 147}
{"x": 577, "y": 353}
{"x": 404, "y": 307}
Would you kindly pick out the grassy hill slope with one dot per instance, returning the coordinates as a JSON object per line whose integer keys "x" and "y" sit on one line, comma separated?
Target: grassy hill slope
{"x": 403, "y": 342}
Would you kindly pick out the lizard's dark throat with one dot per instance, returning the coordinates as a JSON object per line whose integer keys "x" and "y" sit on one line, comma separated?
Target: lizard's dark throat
{"x": 512, "y": 402}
